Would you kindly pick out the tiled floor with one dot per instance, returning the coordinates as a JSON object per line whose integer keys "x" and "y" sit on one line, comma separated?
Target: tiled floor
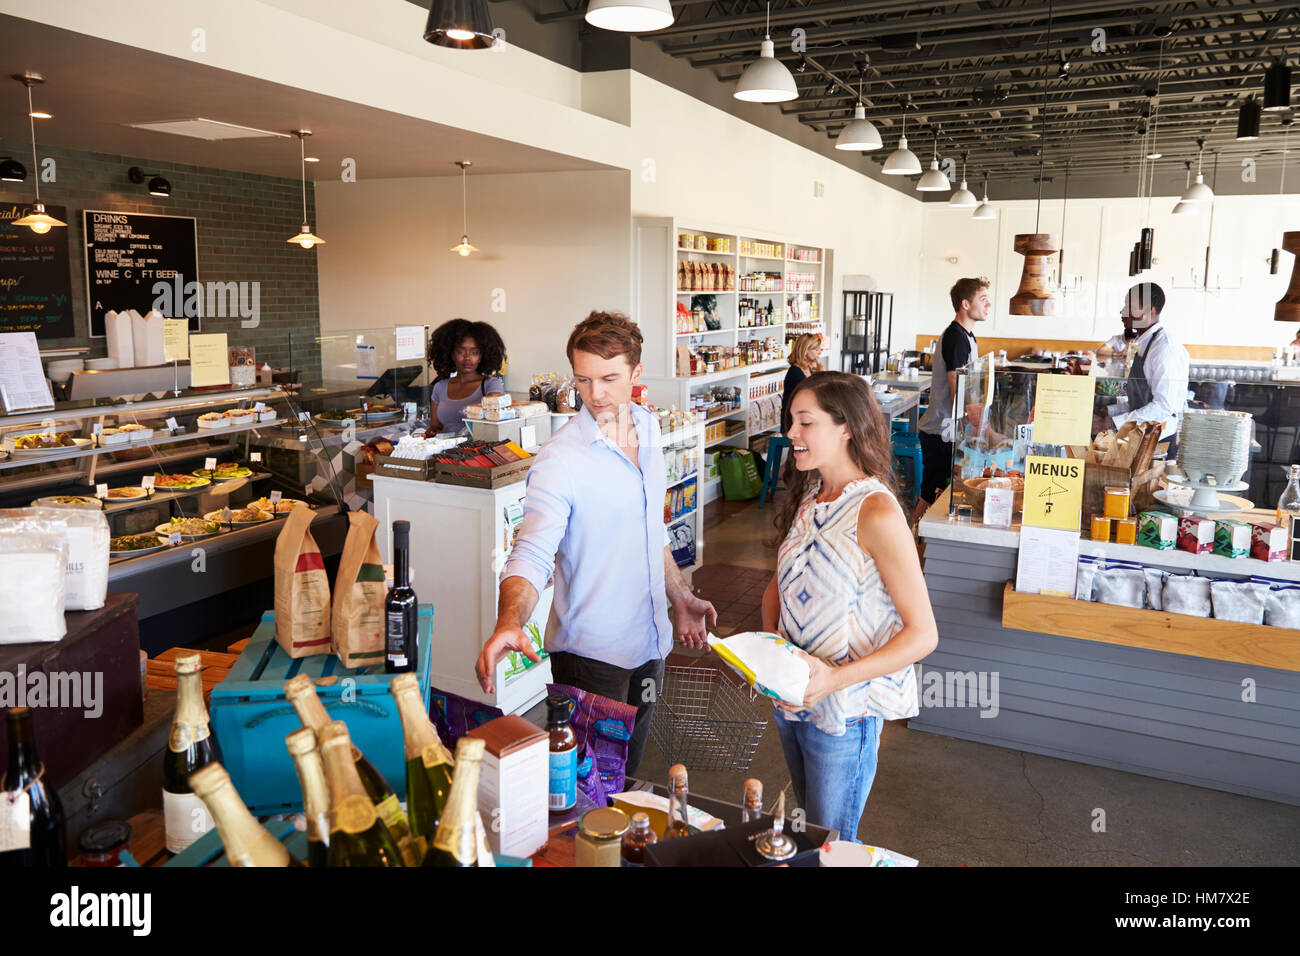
{"x": 736, "y": 593}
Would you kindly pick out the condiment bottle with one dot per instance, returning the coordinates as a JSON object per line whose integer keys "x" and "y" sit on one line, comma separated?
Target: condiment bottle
{"x": 599, "y": 841}
{"x": 562, "y": 791}
{"x": 677, "y": 803}
{"x": 636, "y": 839}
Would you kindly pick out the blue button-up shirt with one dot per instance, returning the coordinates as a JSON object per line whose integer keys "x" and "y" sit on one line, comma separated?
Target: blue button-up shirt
{"x": 598, "y": 522}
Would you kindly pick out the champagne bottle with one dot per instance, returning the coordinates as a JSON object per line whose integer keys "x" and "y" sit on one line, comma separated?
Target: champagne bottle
{"x": 246, "y": 841}
{"x": 428, "y": 764}
{"x": 302, "y": 695}
{"x": 401, "y": 612}
{"x": 456, "y": 843}
{"x": 677, "y": 803}
{"x": 315, "y": 794}
{"x": 358, "y": 837}
{"x": 190, "y": 746}
{"x": 24, "y": 782}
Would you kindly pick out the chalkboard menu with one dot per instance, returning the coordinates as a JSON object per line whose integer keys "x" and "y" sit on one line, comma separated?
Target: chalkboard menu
{"x": 35, "y": 279}
{"x": 141, "y": 261}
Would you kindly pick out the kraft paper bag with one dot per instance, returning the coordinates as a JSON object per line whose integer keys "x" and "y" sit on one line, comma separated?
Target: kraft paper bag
{"x": 359, "y": 592}
{"x": 302, "y": 589}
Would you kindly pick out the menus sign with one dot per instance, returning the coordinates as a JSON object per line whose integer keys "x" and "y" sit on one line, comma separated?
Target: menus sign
{"x": 128, "y": 254}
{"x": 35, "y": 278}
{"x": 1053, "y": 492}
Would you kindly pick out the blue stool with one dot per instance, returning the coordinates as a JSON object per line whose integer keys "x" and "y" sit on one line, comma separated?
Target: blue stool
{"x": 900, "y": 426}
{"x": 776, "y": 446}
{"x": 907, "y": 450}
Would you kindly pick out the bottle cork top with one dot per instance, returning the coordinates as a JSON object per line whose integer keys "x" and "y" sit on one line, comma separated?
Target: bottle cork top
{"x": 677, "y": 776}
{"x": 189, "y": 662}
{"x": 753, "y": 791}
{"x": 301, "y": 741}
{"x": 470, "y": 748}
{"x": 640, "y": 820}
{"x": 209, "y": 779}
{"x": 404, "y": 683}
{"x": 297, "y": 685}
{"x": 334, "y": 731}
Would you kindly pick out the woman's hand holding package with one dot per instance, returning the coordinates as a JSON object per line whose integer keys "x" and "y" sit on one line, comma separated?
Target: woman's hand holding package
{"x": 823, "y": 680}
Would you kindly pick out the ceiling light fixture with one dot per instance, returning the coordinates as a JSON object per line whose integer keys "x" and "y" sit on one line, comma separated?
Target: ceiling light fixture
{"x": 1277, "y": 86}
{"x": 630, "y": 16}
{"x": 766, "y": 80}
{"x": 1034, "y": 297}
{"x": 902, "y": 161}
{"x": 12, "y": 171}
{"x": 1248, "y": 119}
{"x": 464, "y": 248}
{"x": 38, "y": 220}
{"x": 963, "y": 198}
{"x": 459, "y": 25}
{"x": 985, "y": 210}
{"x": 305, "y": 237}
{"x": 1186, "y": 208}
{"x": 934, "y": 181}
{"x": 860, "y": 133}
{"x": 1198, "y": 191}
{"x": 311, "y": 159}
{"x": 1281, "y": 192}
{"x": 157, "y": 185}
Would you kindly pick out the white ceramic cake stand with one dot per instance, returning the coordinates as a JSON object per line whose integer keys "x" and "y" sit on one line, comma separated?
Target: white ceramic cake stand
{"x": 1205, "y": 497}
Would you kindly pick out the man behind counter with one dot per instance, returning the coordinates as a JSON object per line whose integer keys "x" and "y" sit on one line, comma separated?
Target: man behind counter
{"x": 593, "y": 513}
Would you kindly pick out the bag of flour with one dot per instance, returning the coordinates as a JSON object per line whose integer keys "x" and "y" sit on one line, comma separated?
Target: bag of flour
{"x": 302, "y": 589}
{"x": 768, "y": 662}
{"x": 359, "y": 592}
{"x": 33, "y": 569}
{"x": 88, "y": 536}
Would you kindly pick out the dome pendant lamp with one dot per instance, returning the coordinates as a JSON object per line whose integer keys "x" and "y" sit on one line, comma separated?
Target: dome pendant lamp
{"x": 630, "y": 16}
{"x": 767, "y": 79}
{"x": 1186, "y": 208}
{"x": 934, "y": 181}
{"x": 38, "y": 220}
{"x": 459, "y": 25}
{"x": 305, "y": 238}
{"x": 985, "y": 210}
{"x": 860, "y": 133}
{"x": 902, "y": 161}
{"x": 963, "y": 198}
{"x": 1198, "y": 192}
{"x": 463, "y": 248}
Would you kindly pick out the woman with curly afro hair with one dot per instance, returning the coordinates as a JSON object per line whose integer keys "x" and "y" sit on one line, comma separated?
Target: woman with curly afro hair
{"x": 467, "y": 358}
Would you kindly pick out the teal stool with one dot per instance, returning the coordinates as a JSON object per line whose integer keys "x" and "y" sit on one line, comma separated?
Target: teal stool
{"x": 900, "y": 426}
{"x": 776, "y": 446}
{"x": 907, "y": 451}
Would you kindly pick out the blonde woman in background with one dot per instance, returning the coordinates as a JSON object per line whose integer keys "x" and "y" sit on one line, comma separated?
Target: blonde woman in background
{"x": 805, "y": 352}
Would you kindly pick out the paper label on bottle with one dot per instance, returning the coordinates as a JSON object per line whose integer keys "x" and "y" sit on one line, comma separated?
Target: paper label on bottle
{"x": 356, "y": 814}
{"x": 183, "y": 736}
{"x": 562, "y": 792}
{"x": 397, "y": 638}
{"x": 435, "y": 754}
{"x": 15, "y": 821}
{"x": 394, "y": 817}
{"x": 185, "y": 819}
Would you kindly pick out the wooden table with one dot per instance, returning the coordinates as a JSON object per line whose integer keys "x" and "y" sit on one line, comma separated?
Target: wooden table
{"x": 904, "y": 403}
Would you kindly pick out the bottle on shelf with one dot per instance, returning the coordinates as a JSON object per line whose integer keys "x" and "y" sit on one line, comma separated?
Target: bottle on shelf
{"x": 562, "y": 791}
{"x": 358, "y": 837}
{"x": 401, "y": 610}
{"x": 1288, "y": 506}
{"x": 752, "y": 808}
{"x": 301, "y": 693}
{"x": 428, "y": 764}
{"x": 456, "y": 843}
{"x": 25, "y": 793}
{"x": 246, "y": 841}
{"x": 305, "y": 751}
{"x": 638, "y": 836}
{"x": 190, "y": 747}
{"x": 678, "y": 792}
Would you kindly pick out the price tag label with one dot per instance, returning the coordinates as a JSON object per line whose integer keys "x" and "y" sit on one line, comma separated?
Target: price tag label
{"x": 210, "y": 464}
{"x": 307, "y": 490}
{"x": 171, "y": 424}
{"x": 97, "y": 428}
{"x": 255, "y": 456}
{"x": 226, "y": 515}
{"x": 101, "y": 491}
{"x": 174, "y": 538}
{"x": 15, "y": 821}
{"x": 304, "y": 416}
{"x": 147, "y": 482}
{"x": 276, "y": 496}
{"x": 302, "y": 438}
{"x": 259, "y": 407}
{"x": 47, "y": 427}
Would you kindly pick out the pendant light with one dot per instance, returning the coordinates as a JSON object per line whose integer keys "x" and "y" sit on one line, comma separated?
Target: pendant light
{"x": 459, "y": 25}
{"x": 38, "y": 220}
{"x": 902, "y": 161}
{"x": 12, "y": 171}
{"x": 963, "y": 198}
{"x": 934, "y": 181}
{"x": 1277, "y": 86}
{"x": 464, "y": 248}
{"x": 1248, "y": 119}
{"x": 1034, "y": 297}
{"x": 1065, "y": 199}
{"x": 985, "y": 210}
{"x": 766, "y": 80}
{"x": 1198, "y": 191}
{"x": 630, "y": 16}
{"x": 1186, "y": 208}
{"x": 305, "y": 238}
{"x": 860, "y": 133}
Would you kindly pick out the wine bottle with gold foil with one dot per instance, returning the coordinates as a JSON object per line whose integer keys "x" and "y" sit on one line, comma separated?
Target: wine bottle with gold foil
{"x": 456, "y": 843}
{"x": 190, "y": 747}
{"x": 315, "y": 793}
{"x": 246, "y": 841}
{"x": 358, "y": 837}
{"x": 301, "y": 693}
{"x": 428, "y": 763}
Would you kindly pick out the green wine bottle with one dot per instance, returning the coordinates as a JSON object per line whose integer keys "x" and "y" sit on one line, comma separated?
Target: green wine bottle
{"x": 190, "y": 746}
{"x": 315, "y": 794}
{"x": 301, "y": 693}
{"x": 456, "y": 843}
{"x": 358, "y": 837}
{"x": 428, "y": 763}
{"x": 25, "y": 782}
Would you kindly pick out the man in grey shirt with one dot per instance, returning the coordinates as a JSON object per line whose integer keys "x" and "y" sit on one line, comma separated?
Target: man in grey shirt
{"x": 957, "y": 347}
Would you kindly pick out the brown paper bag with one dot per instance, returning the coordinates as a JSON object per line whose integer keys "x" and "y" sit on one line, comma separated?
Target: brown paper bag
{"x": 302, "y": 589}
{"x": 359, "y": 592}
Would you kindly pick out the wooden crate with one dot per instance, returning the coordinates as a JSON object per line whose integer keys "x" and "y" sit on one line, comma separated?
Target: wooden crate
{"x": 160, "y": 671}
{"x": 472, "y": 477}
{"x": 414, "y": 468}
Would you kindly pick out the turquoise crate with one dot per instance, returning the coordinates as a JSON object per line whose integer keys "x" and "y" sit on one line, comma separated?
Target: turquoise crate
{"x": 251, "y": 716}
{"x": 208, "y": 851}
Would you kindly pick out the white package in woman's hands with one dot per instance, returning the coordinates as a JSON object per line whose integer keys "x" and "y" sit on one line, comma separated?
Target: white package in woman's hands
{"x": 768, "y": 662}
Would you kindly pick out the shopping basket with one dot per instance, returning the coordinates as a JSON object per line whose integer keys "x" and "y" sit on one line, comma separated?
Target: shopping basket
{"x": 705, "y": 722}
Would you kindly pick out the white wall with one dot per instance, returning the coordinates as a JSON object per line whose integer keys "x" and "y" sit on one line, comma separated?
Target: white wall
{"x": 553, "y": 247}
{"x": 1098, "y": 237}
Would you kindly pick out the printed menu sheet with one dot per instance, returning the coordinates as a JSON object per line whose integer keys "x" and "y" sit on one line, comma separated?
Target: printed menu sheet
{"x": 1049, "y": 560}
{"x": 22, "y": 380}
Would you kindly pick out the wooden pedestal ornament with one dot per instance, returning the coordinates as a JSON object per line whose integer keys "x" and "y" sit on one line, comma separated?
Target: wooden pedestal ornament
{"x": 1032, "y": 298}
{"x": 1288, "y": 307}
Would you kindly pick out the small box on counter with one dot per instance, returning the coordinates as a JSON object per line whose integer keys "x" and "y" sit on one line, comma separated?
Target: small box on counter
{"x": 473, "y": 413}
{"x": 512, "y": 785}
{"x": 1100, "y": 528}
{"x": 1232, "y": 539}
{"x": 1268, "y": 542}
{"x": 1117, "y": 502}
{"x": 1195, "y": 534}
{"x": 1126, "y": 531}
{"x": 500, "y": 400}
{"x": 1157, "y": 529}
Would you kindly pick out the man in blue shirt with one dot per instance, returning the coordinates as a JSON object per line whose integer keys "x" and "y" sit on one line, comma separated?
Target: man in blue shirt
{"x": 593, "y": 514}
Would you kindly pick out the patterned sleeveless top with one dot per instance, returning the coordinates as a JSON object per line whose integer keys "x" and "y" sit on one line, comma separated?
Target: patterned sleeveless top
{"x": 834, "y": 606}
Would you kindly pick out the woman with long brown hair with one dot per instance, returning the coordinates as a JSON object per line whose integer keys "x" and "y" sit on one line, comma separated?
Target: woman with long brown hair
{"x": 848, "y": 591}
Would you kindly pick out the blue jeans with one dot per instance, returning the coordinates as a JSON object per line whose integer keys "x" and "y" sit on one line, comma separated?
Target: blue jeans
{"x": 832, "y": 775}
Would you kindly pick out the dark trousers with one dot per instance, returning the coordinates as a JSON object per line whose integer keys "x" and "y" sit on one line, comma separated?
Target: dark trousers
{"x": 639, "y": 687}
{"x": 936, "y": 466}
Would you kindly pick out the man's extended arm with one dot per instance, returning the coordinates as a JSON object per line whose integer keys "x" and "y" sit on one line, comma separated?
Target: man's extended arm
{"x": 694, "y": 616}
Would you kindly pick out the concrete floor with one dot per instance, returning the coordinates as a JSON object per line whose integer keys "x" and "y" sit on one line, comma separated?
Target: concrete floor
{"x": 950, "y": 802}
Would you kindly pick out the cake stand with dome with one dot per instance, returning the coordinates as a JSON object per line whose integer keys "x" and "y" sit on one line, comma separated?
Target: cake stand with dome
{"x": 1214, "y": 454}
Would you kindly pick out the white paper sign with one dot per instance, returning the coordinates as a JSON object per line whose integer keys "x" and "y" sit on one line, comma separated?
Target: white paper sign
{"x": 410, "y": 342}
{"x": 174, "y": 538}
{"x": 147, "y": 482}
{"x": 259, "y": 407}
{"x": 528, "y": 436}
{"x": 22, "y": 380}
{"x": 1049, "y": 559}
{"x": 226, "y": 515}
{"x": 15, "y": 821}
{"x": 255, "y": 456}
{"x": 998, "y": 503}
{"x": 304, "y": 416}
{"x": 367, "y": 363}
{"x": 97, "y": 428}
{"x": 276, "y": 496}
{"x": 209, "y": 464}
{"x": 171, "y": 424}
{"x": 101, "y": 491}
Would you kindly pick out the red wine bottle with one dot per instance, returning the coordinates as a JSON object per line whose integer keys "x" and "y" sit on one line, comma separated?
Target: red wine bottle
{"x": 400, "y": 608}
{"x": 25, "y": 782}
